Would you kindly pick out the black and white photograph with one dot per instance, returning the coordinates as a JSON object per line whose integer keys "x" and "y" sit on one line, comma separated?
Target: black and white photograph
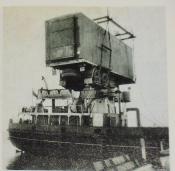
{"x": 85, "y": 88}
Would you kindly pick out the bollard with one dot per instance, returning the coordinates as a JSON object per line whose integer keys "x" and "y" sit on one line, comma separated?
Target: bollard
{"x": 161, "y": 146}
{"x": 143, "y": 148}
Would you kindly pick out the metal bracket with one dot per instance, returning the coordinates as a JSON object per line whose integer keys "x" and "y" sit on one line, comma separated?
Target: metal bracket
{"x": 108, "y": 19}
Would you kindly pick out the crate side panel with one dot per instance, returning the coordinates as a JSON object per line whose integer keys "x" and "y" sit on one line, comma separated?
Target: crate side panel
{"x": 92, "y": 36}
{"x": 60, "y": 38}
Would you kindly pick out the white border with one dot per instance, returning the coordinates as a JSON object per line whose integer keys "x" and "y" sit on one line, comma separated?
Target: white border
{"x": 170, "y": 19}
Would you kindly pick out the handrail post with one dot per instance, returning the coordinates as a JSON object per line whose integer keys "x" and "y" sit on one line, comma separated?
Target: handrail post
{"x": 59, "y": 120}
{"x": 68, "y": 120}
{"x": 80, "y": 120}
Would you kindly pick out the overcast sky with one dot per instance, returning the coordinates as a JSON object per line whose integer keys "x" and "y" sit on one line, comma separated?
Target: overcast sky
{"x": 24, "y": 57}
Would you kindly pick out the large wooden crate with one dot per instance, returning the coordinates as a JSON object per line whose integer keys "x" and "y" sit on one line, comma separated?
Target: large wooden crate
{"x": 76, "y": 38}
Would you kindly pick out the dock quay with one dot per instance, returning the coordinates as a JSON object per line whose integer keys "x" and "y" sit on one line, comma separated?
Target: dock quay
{"x": 124, "y": 163}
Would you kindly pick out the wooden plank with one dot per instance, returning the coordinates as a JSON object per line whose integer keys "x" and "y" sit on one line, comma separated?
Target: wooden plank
{"x": 108, "y": 163}
{"x": 118, "y": 160}
{"x": 126, "y": 166}
{"x": 147, "y": 167}
{"x": 98, "y": 166}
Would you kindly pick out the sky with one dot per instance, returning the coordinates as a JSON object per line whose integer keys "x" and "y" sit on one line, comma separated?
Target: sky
{"x": 24, "y": 57}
